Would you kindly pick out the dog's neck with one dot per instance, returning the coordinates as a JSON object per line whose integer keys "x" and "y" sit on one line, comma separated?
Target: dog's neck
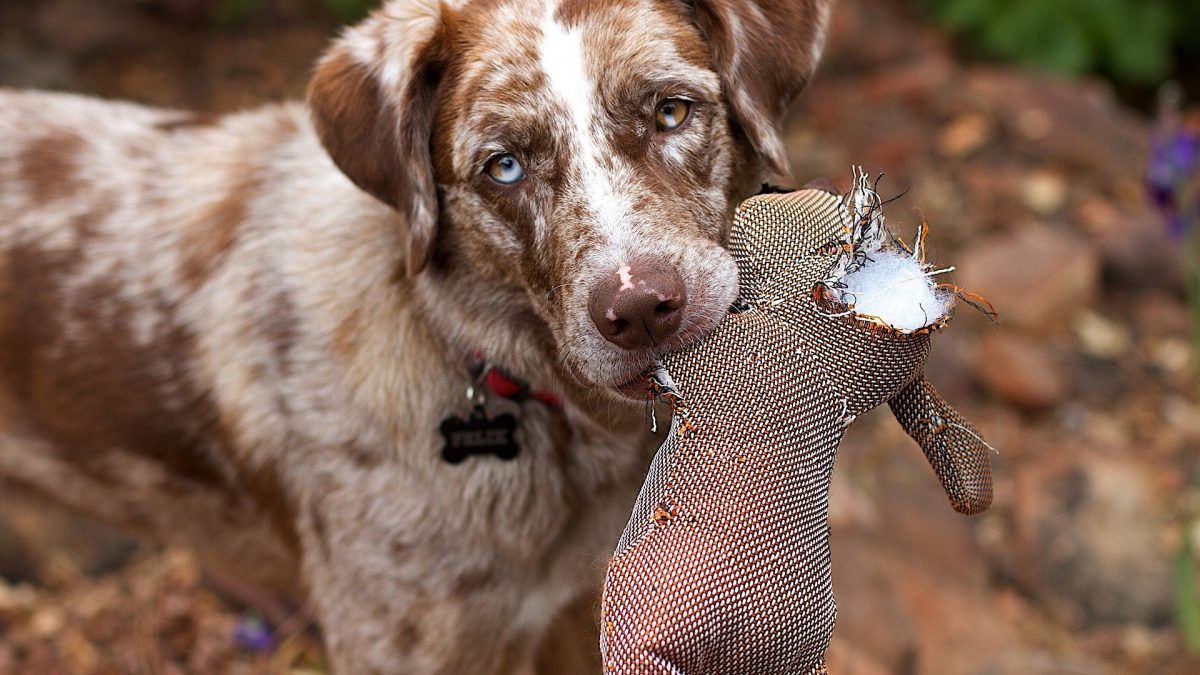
{"x": 473, "y": 316}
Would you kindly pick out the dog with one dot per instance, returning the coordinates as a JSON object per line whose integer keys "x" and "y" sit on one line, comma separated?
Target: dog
{"x": 260, "y": 335}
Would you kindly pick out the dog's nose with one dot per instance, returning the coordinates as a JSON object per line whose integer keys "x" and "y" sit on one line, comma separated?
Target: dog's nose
{"x": 638, "y": 305}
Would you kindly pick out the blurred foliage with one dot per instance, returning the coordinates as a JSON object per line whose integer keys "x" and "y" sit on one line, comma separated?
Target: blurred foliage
{"x": 1187, "y": 600}
{"x": 232, "y": 12}
{"x": 1132, "y": 41}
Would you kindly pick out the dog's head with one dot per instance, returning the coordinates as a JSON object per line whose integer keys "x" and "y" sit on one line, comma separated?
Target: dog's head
{"x": 585, "y": 154}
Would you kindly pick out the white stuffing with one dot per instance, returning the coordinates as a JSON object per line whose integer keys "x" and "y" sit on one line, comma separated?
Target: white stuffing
{"x": 893, "y": 286}
{"x": 881, "y": 281}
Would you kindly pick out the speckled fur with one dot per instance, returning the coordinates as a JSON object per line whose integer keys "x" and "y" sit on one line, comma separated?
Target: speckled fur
{"x": 241, "y": 334}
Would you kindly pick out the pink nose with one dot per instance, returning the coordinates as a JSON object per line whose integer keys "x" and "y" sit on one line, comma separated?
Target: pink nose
{"x": 639, "y": 305}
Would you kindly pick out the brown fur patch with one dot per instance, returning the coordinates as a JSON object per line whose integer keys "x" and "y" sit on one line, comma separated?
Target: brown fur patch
{"x": 186, "y": 121}
{"x": 408, "y": 636}
{"x": 281, "y": 326}
{"x": 764, "y": 64}
{"x": 381, "y": 142}
{"x": 320, "y": 531}
{"x": 208, "y": 239}
{"x": 356, "y": 125}
{"x": 269, "y": 493}
{"x": 572, "y": 12}
{"x": 49, "y": 166}
{"x": 92, "y": 388}
{"x": 345, "y": 336}
{"x": 471, "y": 582}
{"x": 261, "y": 482}
{"x": 363, "y": 456}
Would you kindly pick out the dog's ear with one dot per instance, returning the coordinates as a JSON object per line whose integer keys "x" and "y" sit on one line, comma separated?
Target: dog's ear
{"x": 765, "y": 52}
{"x": 372, "y": 101}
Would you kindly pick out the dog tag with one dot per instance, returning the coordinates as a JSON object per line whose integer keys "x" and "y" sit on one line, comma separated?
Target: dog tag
{"x": 479, "y": 435}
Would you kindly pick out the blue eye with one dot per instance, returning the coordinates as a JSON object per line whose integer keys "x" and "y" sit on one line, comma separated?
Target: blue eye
{"x": 504, "y": 169}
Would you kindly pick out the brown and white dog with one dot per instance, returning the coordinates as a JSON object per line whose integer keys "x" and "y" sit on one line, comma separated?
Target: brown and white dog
{"x": 242, "y": 334}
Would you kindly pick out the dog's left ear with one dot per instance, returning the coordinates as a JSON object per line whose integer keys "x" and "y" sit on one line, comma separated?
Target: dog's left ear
{"x": 372, "y": 100}
{"x": 765, "y": 52}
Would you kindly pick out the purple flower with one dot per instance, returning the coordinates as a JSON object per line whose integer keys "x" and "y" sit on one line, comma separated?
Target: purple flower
{"x": 1173, "y": 171}
{"x": 1173, "y": 157}
{"x": 254, "y": 634}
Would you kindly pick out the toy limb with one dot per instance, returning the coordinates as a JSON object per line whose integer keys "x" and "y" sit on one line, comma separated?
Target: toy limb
{"x": 958, "y": 454}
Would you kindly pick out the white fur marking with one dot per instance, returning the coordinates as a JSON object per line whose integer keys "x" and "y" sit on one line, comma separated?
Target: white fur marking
{"x": 818, "y": 44}
{"x": 626, "y": 278}
{"x": 563, "y": 60}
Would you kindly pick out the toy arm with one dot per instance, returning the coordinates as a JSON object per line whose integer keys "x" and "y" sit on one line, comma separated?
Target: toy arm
{"x": 955, "y": 450}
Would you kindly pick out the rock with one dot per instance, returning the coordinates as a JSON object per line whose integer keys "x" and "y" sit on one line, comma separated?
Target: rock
{"x": 871, "y": 615}
{"x": 1098, "y": 382}
{"x": 1136, "y": 251}
{"x": 1037, "y": 662}
{"x": 1183, "y": 416}
{"x": 1023, "y": 372}
{"x": 1044, "y": 192}
{"x": 1034, "y": 124}
{"x": 1161, "y": 315}
{"x": 956, "y": 622}
{"x": 992, "y": 195}
{"x": 81, "y": 27}
{"x": 964, "y": 135}
{"x": 951, "y": 364}
{"x": 15, "y": 561}
{"x": 1035, "y": 278}
{"x": 1174, "y": 358}
{"x": 1088, "y": 538}
{"x": 1061, "y": 121}
{"x": 849, "y": 506}
{"x": 1100, "y": 337}
{"x": 845, "y": 658}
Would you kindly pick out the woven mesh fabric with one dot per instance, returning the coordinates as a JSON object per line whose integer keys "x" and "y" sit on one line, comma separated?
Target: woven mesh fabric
{"x": 724, "y": 566}
{"x": 953, "y": 447}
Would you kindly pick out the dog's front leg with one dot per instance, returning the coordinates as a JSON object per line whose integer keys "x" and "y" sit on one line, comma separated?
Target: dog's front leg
{"x": 393, "y": 595}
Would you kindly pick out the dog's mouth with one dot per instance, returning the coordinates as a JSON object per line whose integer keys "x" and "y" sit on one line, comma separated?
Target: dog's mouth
{"x": 617, "y": 365}
{"x": 628, "y": 383}
{"x": 630, "y": 379}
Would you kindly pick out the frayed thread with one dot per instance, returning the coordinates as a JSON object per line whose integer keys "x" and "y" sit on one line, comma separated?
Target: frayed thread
{"x": 875, "y": 277}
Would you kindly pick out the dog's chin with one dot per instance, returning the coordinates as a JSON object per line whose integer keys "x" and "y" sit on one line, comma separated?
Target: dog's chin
{"x": 629, "y": 383}
{"x": 637, "y": 389}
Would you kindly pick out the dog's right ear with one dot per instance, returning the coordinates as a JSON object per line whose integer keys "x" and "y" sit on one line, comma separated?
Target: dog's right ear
{"x": 372, "y": 101}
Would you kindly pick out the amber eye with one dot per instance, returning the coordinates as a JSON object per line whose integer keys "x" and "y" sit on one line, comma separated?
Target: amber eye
{"x": 671, "y": 114}
{"x": 504, "y": 169}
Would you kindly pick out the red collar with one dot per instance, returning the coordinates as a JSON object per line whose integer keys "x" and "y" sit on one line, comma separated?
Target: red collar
{"x": 505, "y": 385}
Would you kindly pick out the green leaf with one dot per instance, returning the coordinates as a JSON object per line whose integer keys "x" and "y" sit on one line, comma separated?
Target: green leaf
{"x": 1187, "y": 602}
{"x": 1024, "y": 34}
{"x": 348, "y": 11}
{"x": 1133, "y": 41}
{"x": 1142, "y": 52}
{"x": 233, "y": 12}
{"x": 963, "y": 13}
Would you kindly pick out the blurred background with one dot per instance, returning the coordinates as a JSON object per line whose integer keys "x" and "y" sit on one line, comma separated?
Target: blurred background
{"x": 1055, "y": 170}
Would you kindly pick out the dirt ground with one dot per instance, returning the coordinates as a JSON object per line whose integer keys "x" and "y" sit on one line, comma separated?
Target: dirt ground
{"x": 1032, "y": 187}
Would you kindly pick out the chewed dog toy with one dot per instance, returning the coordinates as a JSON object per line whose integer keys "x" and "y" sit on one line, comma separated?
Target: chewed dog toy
{"x": 724, "y": 566}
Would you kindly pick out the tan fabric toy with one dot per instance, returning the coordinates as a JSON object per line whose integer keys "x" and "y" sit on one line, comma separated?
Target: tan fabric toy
{"x": 724, "y": 566}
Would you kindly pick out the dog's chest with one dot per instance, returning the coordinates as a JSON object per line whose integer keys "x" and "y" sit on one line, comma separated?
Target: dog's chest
{"x": 483, "y": 475}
